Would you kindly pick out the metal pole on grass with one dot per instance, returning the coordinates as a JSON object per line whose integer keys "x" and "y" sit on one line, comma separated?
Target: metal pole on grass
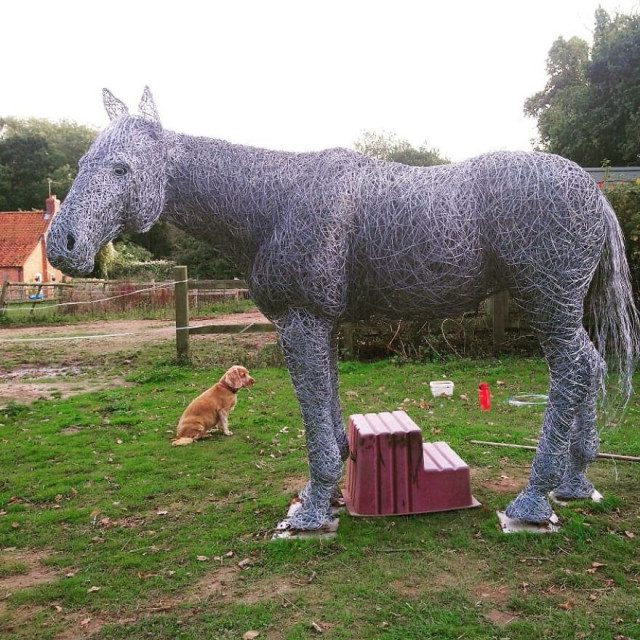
{"x": 181, "y": 293}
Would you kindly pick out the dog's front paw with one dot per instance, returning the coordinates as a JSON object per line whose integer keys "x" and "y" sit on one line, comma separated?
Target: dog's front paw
{"x": 181, "y": 442}
{"x": 228, "y": 433}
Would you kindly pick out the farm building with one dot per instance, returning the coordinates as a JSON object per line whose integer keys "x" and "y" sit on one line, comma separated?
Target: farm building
{"x": 23, "y": 254}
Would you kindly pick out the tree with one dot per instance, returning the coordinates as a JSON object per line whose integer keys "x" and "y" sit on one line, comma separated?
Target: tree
{"x": 389, "y": 146}
{"x": 589, "y": 110}
{"x": 203, "y": 260}
{"x": 35, "y": 150}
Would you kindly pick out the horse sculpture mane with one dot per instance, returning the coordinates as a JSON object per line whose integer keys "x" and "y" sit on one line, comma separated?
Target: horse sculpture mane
{"x": 332, "y": 235}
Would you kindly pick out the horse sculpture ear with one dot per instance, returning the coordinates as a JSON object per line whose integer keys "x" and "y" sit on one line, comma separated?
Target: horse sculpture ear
{"x": 115, "y": 108}
{"x": 147, "y": 107}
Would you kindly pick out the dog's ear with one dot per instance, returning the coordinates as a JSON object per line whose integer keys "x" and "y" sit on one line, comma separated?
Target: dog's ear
{"x": 234, "y": 378}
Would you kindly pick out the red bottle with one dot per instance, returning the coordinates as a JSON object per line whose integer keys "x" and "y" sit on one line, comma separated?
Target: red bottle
{"x": 484, "y": 393}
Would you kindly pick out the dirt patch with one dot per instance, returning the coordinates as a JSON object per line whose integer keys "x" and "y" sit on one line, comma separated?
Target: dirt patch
{"x": 26, "y": 392}
{"x": 36, "y": 574}
{"x": 494, "y": 593}
{"x": 506, "y": 484}
{"x": 228, "y": 583}
{"x": 19, "y": 373}
{"x": 83, "y": 625}
{"x": 506, "y": 479}
{"x": 292, "y": 485}
{"x": 119, "y": 335}
{"x": 500, "y": 618}
{"x": 406, "y": 589}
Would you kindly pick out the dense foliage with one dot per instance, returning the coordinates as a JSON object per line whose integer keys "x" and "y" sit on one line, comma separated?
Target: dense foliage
{"x": 589, "y": 110}
{"x": 625, "y": 199}
{"x": 33, "y": 151}
{"x": 389, "y": 146}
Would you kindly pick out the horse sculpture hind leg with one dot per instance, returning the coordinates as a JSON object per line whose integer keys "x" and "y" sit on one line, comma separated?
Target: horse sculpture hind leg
{"x": 305, "y": 340}
{"x": 584, "y": 440}
{"x": 566, "y": 443}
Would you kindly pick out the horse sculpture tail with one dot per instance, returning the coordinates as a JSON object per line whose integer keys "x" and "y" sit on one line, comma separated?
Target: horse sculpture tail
{"x": 612, "y": 308}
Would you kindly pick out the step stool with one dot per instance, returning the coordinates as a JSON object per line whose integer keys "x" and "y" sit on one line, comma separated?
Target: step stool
{"x": 392, "y": 472}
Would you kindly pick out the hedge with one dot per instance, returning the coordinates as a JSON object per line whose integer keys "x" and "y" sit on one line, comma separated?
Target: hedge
{"x": 625, "y": 199}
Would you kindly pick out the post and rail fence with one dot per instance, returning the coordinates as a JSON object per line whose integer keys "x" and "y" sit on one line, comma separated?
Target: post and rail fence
{"x": 497, "y": 311}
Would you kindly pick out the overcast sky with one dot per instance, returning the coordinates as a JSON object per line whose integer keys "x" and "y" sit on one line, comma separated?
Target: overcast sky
{"x": 297, "y": 75}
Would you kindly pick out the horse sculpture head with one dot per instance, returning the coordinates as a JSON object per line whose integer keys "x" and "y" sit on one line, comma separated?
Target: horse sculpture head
{"x": 120, "y": 185}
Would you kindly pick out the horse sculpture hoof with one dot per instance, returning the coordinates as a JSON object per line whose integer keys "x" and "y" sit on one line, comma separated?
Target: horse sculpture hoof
{"x": 530, "y": 506}
{"x": 576, "y": 488}
{"x": 514, "y": 525}
{"x": 299, "y": 524}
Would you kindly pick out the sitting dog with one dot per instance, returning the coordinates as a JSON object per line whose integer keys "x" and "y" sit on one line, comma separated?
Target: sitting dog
{"x": 211, "y": 408}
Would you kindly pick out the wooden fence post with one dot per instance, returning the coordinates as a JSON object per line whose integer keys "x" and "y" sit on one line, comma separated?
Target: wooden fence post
{"x": 3, "y": 294}
{"x": 181, "y": 294}
{"x": 349, "y": 347}
{"x": 498, "y": 308}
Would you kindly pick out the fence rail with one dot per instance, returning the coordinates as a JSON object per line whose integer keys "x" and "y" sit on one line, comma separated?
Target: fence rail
{"x": 106, "y": 295}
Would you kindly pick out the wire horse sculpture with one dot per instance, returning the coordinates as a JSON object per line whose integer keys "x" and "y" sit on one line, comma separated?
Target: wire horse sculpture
{"x": 336, "y": 235}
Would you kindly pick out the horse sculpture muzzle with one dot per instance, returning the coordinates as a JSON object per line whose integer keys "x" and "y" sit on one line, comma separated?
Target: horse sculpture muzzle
{"x": 66, "y": 251}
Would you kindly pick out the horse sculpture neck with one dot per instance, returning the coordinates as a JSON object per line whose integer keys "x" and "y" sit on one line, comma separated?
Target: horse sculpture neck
{"x": 230, "y": 195}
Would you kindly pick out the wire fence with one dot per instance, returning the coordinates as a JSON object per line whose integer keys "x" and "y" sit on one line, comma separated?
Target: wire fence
{"x": 100, "y": 297}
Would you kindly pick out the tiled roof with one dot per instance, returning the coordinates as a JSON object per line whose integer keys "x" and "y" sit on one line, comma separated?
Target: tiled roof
{"x": 20, "y": 231}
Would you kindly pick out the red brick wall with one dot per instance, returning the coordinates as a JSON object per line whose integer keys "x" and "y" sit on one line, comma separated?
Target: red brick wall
{"x": 14, "y": 274}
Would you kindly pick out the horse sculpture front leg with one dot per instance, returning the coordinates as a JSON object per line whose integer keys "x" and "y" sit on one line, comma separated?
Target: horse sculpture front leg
{"x": 305, "y": 340}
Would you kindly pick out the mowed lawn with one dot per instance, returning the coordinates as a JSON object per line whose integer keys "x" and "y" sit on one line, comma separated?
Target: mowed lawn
{"x": 107, "y": 531}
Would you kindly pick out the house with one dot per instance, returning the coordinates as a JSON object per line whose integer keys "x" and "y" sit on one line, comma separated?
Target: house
{"x": 613, "y": 175}
{"x": 23, "y": 253}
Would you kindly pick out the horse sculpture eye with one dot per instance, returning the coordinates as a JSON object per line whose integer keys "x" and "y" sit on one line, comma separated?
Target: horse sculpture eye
{"x": 120, "y": 170}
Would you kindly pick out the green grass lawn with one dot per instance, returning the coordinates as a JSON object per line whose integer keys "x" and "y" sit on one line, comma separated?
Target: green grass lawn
{"x": 136, "y": 539}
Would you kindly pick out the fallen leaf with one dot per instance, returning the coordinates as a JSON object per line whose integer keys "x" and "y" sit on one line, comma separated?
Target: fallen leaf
{"x": 229, "y": 554}
{"x": 70, "y": 574}
{"x": 243, "y": 564}
{"x": 464, "y": 396}
{"x": 595, "y": 566}
{"x": 202, "y": 558}
{"x": 250, "y": 635}
{"x": 316, "y": 627}
{"x": 162, "y": 512}
{"x": 568, "y": 605}
{"x": 15, "y": 525}
{"x": 630, "y": 534}
{"x": 85, "y": 622}
{"x": 500, "y": 383}
{"x": 118, "y": 441}
{"x": 93, "y": 589}
{"x": 57, "y": 607}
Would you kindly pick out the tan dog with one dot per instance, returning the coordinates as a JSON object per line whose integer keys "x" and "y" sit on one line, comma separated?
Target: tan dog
{"x": 211, "y": 408}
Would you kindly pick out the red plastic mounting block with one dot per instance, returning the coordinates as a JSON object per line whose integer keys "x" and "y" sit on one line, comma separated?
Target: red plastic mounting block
{"x": 392, "y": 472}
